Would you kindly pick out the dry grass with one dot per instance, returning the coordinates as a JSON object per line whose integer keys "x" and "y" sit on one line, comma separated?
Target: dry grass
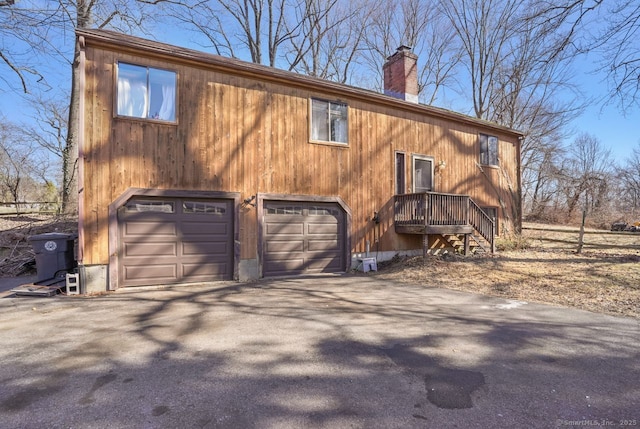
{"x": 598, "y": 280}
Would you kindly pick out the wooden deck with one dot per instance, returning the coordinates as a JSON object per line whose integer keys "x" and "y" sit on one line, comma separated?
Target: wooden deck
{"x": 443, "y": 214}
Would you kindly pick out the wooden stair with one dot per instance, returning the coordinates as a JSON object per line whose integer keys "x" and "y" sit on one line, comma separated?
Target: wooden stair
{"x": 457, "y": 218}
{"x": 477, "y": 243}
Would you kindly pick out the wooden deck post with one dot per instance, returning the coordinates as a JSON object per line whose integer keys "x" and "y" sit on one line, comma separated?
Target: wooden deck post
{"x": 425, "y": 245}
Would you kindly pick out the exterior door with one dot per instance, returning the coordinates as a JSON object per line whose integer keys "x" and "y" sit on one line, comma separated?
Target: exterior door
{"x": 422, "y": 174}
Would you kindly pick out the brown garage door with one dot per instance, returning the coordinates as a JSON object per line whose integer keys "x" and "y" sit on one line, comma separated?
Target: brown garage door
{"x": 174, "y": 240}
{"x": 301, "y": 237}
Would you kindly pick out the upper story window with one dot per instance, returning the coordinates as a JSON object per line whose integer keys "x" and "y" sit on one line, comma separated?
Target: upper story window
{"x": 488, "y": 150}
{"x": 146, "y": 92}
{"x": 329, "y": 121}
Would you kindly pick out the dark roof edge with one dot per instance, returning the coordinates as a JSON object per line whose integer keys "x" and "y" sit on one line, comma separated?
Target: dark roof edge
{"x": 133, "y": 43}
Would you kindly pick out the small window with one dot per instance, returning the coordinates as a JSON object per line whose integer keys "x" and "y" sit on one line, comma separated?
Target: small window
{"x": 488, "y": 150}
{"x": 146, "y": 92}
{"x": 322, "y": 211}
{"x": 329, "y": 121}
{"x": 150, "y": 206}
{"x": 204, "y": 207}
{"x": 400, "y": 173}
{"x": 284, "y": 210}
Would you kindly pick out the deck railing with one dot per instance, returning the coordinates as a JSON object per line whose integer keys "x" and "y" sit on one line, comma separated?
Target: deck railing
{"x": 436, "y": 209}
{"x": 431, "y": 208}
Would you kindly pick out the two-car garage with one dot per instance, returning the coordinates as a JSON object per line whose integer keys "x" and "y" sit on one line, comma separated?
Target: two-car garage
{"x": 170, "y": 239}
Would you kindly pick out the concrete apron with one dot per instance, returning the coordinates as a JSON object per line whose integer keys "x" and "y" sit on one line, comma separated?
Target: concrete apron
{"x": 312, "y": 352}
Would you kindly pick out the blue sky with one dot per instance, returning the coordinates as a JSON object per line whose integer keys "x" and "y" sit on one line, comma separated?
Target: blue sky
{"x": 617, "y": 130}
{"x": 618, "y": 133}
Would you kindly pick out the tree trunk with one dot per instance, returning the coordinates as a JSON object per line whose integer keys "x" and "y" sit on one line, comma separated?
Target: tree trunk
{"x": 70, "y": 153}
{"x": 581, "y": 236}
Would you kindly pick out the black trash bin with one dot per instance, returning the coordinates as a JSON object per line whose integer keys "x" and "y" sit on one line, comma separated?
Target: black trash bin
{"x": 54, "y": 254}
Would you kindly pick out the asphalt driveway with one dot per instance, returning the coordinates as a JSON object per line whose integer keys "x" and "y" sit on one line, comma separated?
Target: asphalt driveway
{"x": 331, "y": 352}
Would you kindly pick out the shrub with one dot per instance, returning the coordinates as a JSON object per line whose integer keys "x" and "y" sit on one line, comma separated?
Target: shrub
{"x": 514, "y": 242}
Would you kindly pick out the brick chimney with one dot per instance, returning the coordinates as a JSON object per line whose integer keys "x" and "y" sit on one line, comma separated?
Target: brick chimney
{"x": 401, "y": 75}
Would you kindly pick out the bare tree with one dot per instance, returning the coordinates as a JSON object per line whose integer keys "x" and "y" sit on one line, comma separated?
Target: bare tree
{"x": 539, "y": 181}
{"x": 206, "y": 20}
{"x": 525, "y": 97}
{"x": 512, "y": 75}
{"x": 235, "y": 27}
{"x": 621, "y": 52}
{"x": 18, "y": 49}
{"x": 49, "y": 132}
{"x": 326, "y": 38}
{"x": 21, "y": 167}
{"x": 615, "y": 39}
{"x": 586, "y": 175}
{"x": 484, "y": 29}
{"x": 420, "y": 26}
{"x": 629, "y": 176}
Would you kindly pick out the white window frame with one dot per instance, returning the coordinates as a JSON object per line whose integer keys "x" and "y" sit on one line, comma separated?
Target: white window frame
{"x": 138, "y": 98}
{"x": 330, "y": 134}
{"x": 415, "y": 158}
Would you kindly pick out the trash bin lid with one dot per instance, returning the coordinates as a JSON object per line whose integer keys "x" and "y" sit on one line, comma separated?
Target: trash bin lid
{"x": 52, "y": 236}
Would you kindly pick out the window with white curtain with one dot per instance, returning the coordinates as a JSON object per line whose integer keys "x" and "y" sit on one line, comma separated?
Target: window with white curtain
{"x": 146, "y": 92}
{"x": 329, "y": 121}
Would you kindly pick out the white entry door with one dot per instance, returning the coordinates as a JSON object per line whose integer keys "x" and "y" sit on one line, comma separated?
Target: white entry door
{"x": 422, "y": 174}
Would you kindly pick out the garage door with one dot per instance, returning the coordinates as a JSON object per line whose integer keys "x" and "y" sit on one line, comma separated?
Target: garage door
{"x": 175, "y": 240}
{"x": 303, "y": 238}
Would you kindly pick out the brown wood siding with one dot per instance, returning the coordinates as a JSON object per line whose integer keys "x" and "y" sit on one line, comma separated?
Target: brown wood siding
{"x": 246, "y": 135}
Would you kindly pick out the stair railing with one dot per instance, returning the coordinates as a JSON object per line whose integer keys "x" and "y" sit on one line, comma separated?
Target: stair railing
{"x": 482, "y": 223}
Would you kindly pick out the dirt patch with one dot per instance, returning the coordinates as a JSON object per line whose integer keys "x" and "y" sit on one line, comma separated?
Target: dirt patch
{"x": 593, "y": 280}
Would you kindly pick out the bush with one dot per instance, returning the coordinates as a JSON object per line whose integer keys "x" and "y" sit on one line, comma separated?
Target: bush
{"x": 514, "y": 242}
